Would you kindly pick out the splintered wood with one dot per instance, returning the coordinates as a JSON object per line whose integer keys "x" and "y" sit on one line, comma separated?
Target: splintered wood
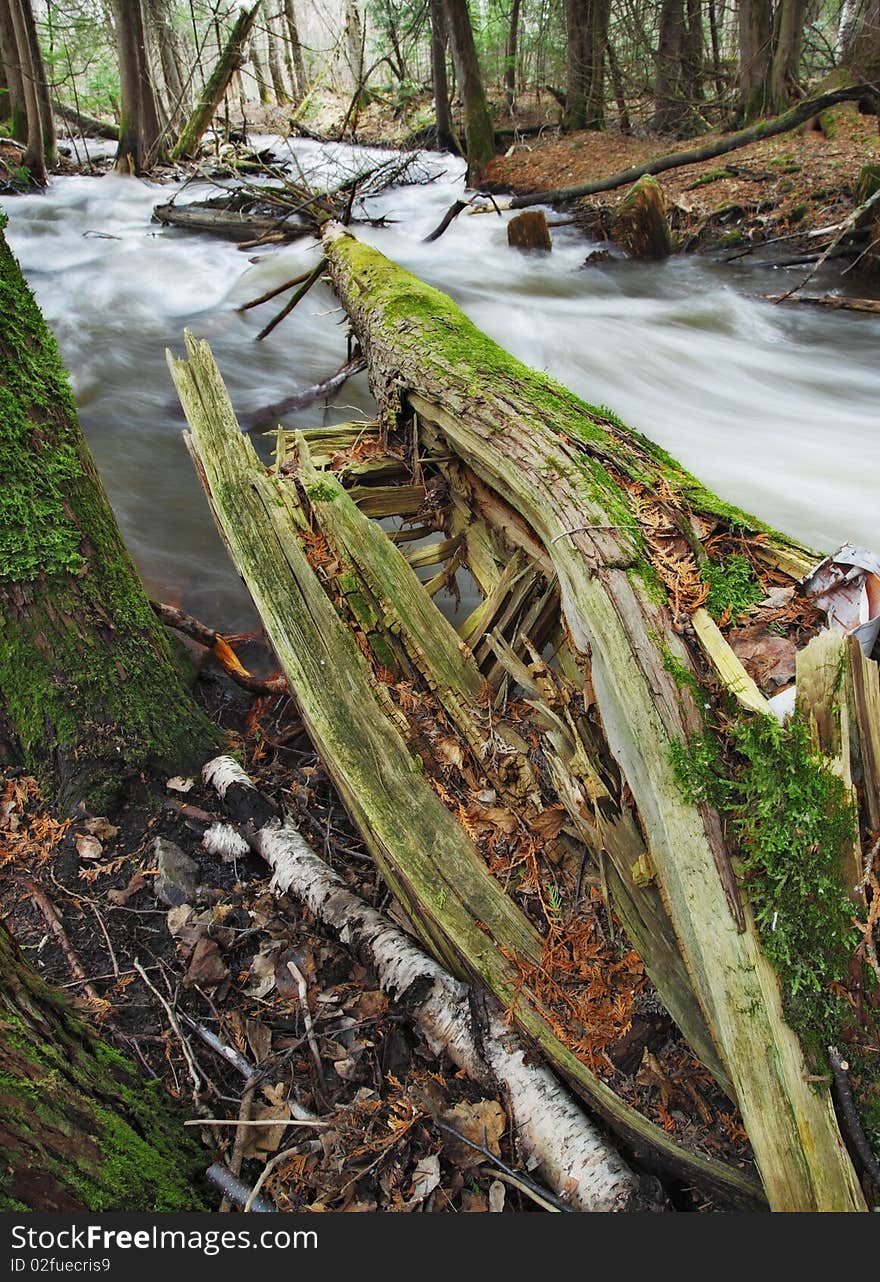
{"x": 512, "y": 774}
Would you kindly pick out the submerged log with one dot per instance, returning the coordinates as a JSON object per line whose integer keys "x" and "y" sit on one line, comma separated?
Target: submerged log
{"x": 567, "y": 472}
{"x": 221, "y": 218}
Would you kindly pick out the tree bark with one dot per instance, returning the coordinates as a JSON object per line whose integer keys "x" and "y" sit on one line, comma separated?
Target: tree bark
{"x": 231, "y": 59}
{"x": 478, "y": 128}
{"x": 169, "y": 57}
{"x": 786, "y": 62}
{"x": 755, "y": 54}
{"x": 860, "y": 40}
{"x": 669, "y": 106}
{"x": 586, "y": 25}
{"x": 299, "y": 78}
{"x": 139, "y": 128}
{"x": 39, "y": 142}
{"x": 278, "y": 85}
{"x": 442, "y": 114}
{"x": 79, "y": 1127}
{"x": 510, "y": 56}
{"x": 89, "y": 691}
{"x": 790, "y": 119}
{"x": 17, "y": 107}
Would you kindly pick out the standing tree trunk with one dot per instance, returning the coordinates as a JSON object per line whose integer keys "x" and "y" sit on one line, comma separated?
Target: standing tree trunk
{"x": 89, "y": 691}
{"x": 278, "y": 85}
{"x": 34, "y": 159}
{"x": 139, "y": 128}
{"x": 586, "y": 24}
{"x": 619, "y": 91}
{"x": 169, "y": 56}
{"x": 17, "y": 107}
{"x": 478, "y": 129}
{"x": 669, "y": 105}
{"x": 786, "y": 54}
{"x": 442, "y": 114}
{"x": 299, "y": 78}
{"x": 755, "y": 48}
{"x": 260, "y": 75}
{"x": 510, "y": 57}
{"x": 692, "y": 62}
{"x": 859, "y": 39}
{"x": 79, "y": 1127}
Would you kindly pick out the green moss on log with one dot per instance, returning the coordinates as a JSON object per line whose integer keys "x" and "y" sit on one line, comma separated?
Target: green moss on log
{"x": 79, "y": 1127}
{"x": 794, "y": 824}
{"x": 88, "y": 683}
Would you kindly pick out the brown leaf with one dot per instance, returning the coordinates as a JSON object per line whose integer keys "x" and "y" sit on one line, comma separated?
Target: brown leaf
{"x": 120, "y": 897}
{"x": 206, "y": 967}
{"x": 101, "y": 828}
{"x": 548, "y": 823}
{"x": 259, "y": 1038}
{"x": 482, "y": 1123}
{"x": 768, "y": 658}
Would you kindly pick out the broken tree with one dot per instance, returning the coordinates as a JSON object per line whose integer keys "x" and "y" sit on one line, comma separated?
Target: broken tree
{"x": 582, "y": 534}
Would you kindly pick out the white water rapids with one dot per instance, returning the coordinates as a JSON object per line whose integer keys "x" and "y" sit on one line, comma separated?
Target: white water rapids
{"x": 774, "y": 408}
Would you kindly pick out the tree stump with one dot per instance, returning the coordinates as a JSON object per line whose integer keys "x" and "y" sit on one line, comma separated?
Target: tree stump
{"x": 640, "y": 225}
{"x": 868, "y": 183}
{"x": 529, "y": 231}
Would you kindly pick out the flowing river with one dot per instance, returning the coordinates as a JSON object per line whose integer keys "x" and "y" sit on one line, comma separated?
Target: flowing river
{"x": 775, "y": 408}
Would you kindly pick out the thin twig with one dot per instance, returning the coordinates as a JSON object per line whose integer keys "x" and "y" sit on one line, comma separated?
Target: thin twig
{"x": 850, "y": 1118}
{"x": 307, "y": 1021}
{"x": 267, "y": 1171}
{"x": 297, "y": 297}
{"x": 554, "y": 1201}
{"x": 53, "y": 921}
{"x": 194, "y": 1073}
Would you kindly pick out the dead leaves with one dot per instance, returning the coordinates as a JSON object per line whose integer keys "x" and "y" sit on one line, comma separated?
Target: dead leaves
{"x": 482, "y": 1123}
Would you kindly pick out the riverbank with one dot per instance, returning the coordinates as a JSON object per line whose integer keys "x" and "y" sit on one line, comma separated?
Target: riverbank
{"x": 790, "y": 185}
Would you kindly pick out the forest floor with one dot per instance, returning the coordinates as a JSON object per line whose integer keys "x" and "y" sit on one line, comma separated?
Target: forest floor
{"x": 792, "y": 184}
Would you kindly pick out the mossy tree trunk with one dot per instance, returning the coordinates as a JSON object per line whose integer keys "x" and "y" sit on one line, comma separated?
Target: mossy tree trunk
{"x": 79, "y": 1128}
{"x": 89, "y": 690}
{"x": 231, "y": 60}
{"x": 478, "y": 129}
{"x": 14, "y": 107}
{"x": 561, "y": 473}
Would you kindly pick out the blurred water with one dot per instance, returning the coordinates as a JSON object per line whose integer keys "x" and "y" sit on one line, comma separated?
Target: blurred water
{"x": 775, "y": 408}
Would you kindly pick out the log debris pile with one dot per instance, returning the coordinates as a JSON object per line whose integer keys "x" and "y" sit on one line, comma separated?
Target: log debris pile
{"x": 580, "y": 797}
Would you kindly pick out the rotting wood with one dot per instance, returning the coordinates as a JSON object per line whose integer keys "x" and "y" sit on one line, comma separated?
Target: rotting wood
{"x": 455, "y": 905}
{"x": 552, "y": 467}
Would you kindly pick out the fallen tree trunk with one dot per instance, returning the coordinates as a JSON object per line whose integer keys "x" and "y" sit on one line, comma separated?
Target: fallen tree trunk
{"x": 87, "y": 125}
{"x": 228, "y": 63}
{"x": 789, "y": 120}
{"x": 370, "y": 749}
{"x": 562, "y": 474}
{"x": 552, "y": 1132}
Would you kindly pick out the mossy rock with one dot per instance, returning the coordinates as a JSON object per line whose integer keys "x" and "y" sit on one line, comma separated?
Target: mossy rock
{"x": 640, "y": 224}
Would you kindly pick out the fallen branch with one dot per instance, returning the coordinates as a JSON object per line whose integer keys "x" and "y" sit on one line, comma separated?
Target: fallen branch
{"x": 219, "y": 647}
{"x": 846, "y": 226}
{"x": 288, "y": 307}
{"x": 270, "y": 414}
{"x": 789, "y": 120}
